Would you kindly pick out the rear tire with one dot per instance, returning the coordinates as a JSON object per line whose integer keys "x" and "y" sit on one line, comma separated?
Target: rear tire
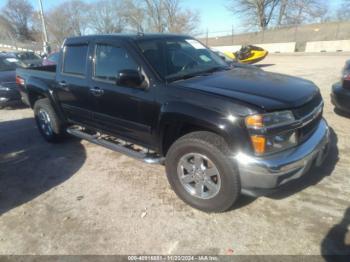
{"x": 201, "y": 172}
{"x": 49, "y": 125}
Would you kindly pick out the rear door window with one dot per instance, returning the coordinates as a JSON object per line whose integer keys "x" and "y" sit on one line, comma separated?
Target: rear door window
{"x": 75, "y": 57}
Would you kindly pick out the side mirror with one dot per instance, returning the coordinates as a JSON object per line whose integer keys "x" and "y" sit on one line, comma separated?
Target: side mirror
{"x": 131, "y": 78}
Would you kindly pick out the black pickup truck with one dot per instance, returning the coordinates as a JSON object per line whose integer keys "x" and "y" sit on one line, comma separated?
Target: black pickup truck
{"x": 167, "y": 99}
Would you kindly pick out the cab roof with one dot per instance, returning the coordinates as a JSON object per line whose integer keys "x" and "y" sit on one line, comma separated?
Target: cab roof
{"x": 89, "y": 38}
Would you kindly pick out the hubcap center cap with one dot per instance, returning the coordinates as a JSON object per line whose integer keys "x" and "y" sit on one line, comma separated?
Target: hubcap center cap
{"x": 199, "y": 175}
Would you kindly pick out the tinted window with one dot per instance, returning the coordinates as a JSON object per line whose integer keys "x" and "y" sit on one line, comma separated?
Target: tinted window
{"x": 75, "y": 59}
{"x": 27, "y": 56}
{"x": 109, "y": 60}
{"x": 8, "y": 63}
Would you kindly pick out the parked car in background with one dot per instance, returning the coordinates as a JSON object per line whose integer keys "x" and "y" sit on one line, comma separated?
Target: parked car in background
{"x": 341, "y": 91}
{"x": 167, "y": 99}
{"x": 26, "y": 58}
{"x": 9, "y": 92}
{"x": 52, "y": 59}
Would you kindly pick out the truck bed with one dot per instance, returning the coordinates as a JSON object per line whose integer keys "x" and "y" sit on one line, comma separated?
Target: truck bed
{"x": 46, "y": 74}
{"x": 42, "y": 72}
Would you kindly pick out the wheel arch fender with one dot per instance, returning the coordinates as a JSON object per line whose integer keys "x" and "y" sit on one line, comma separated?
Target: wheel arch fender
{"x": 38, "y": 89}
{"x": 175, "y": 116}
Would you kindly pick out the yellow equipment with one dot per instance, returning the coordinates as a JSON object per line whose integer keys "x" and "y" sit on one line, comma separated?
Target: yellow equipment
{"x": 248, "y": 54}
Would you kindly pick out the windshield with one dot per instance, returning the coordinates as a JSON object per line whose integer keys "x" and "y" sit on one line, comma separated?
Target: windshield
{"x": 180, "y": 58}
{"x": 53, "y": 57}
{"x": 27, "y": 56}
{"x": 8, "y": 63}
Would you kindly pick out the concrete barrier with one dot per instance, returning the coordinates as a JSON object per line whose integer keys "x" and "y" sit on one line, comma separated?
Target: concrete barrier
{"x": 279, "y": 47}
{"x": 272, "y": 48}
{"x": 8, "y": 47}
{"x": 328, "y": 46}
{"x": 232, "y": 48}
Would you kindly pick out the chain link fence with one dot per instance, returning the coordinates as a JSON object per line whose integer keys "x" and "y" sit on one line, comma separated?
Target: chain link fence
{"x": 300, "y": 34}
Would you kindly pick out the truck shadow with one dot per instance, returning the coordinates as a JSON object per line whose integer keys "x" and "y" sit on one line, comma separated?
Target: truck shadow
{"x": 314, "y": 176}
{"x": 29, "y": 166}
{"x": 336, "y": 245}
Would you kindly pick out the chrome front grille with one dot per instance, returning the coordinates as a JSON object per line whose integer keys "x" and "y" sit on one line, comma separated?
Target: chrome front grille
{"x": 308, "y": 108}
{"x": 310, "y": 116}
{"x": 306, "y": 131}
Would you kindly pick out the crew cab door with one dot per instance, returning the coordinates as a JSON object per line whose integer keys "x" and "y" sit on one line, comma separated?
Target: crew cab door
{"x": 128, "y": 112}
{"x": 72, "y": 87}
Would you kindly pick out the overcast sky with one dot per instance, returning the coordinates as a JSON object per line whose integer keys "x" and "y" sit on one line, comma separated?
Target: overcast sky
{"x": 214, "y": 15}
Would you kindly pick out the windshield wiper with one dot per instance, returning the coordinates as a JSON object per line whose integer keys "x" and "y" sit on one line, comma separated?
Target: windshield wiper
{"x": 200, "y": 73}
{"x": 216, "y": 68}
{"x": 183, "y": 77}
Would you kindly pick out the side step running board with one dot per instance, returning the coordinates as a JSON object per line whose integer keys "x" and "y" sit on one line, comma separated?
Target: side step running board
{"x": 117, "y": 145}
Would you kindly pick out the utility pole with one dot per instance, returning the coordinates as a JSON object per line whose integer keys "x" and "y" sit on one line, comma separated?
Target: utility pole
{"x": 207, "y": 37}
{"x": 46, "y": 46}
{"x": 233, "y": 32}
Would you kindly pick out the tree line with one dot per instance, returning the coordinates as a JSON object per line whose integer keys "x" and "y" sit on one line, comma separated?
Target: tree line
{"x": 20, "y": 21}
{"x": 264, "y": 14}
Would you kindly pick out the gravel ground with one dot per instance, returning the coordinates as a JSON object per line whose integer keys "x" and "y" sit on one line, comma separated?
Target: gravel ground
{"x": 78, "y": 198}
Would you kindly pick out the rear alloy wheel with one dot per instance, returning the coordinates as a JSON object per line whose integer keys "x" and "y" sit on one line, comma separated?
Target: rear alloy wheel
{"x": 44, "y": 122}
{"x": 47, "y": 121}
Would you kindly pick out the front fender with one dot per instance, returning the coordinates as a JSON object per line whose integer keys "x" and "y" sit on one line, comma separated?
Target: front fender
{"x": 230, "y": 127}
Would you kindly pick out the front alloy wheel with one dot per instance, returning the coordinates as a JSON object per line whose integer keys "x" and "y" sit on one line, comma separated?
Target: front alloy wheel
{"x": 199, "y": 176}
{"x": 202, "y": 173}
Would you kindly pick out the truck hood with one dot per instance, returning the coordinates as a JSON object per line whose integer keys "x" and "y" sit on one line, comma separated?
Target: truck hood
{"x": 269, "y": 91}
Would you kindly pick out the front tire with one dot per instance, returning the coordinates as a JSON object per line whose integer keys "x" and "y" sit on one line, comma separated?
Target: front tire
{"x": 49, "y": 125}
{"x": 200, "y": 171}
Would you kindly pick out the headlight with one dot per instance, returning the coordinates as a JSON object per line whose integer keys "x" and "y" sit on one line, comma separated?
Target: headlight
{"x": 270, "y": 120}
{"x": 266, "y": 144}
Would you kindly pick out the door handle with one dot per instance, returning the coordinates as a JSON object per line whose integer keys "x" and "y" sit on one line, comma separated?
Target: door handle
{"x": 63, "y": 84}
{"x": 96, "y": 91}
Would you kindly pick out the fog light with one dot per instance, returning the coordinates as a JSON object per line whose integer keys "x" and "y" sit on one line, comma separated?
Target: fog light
{"x": 259, "y": 144}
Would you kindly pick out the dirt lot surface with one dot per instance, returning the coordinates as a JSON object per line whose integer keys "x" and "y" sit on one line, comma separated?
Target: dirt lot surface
{"x": 78, "y": 198}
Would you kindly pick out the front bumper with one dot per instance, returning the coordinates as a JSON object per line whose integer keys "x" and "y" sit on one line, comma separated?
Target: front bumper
{"x": 265, "y": 174}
